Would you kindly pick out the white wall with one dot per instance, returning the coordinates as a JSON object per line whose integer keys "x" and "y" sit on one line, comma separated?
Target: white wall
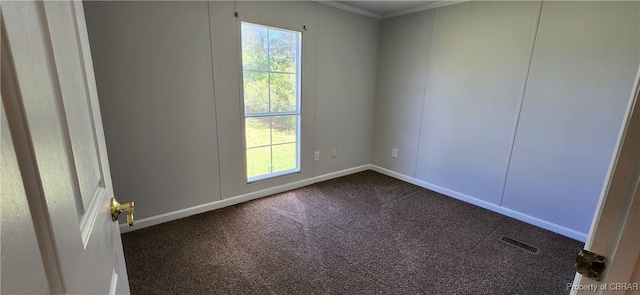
{"x": 473, "y": 141}
{"x": 583, "y": 68}
{"x": 345, "y": 74}
{"x": 153, "y": 71}
{"x": 168, "y": 76}
{"x": 478, "y": 63}
{"x": 402, "y": 70}
{"x": 227, "y": 77}
{"x": 449, "y": 92}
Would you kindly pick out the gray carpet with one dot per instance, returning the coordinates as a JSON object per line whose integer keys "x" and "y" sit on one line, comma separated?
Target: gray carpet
{"x": 365, "y": 233}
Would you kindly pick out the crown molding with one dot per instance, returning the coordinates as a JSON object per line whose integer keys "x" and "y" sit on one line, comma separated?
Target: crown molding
{"x": 424, "y": 7}
{"x": 370, "y": 14}
{"x": 349, "y": 8}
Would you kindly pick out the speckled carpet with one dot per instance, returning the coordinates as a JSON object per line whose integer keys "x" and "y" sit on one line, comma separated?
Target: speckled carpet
{"x": 365, "y": 233}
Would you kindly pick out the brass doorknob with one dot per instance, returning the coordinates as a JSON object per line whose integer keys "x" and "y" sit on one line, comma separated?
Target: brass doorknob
{"x": 117, "y": 208}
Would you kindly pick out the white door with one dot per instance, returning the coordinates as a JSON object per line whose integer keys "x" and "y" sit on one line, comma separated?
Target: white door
{"x": 50, "y": 105}
{"x": 615, "y": 230}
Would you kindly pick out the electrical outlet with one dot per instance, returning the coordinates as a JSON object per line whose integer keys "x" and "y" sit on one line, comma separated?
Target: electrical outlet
{"x": 333, "y": 153}
{"x": 394, "y": 153}
{"x": 316, "y": 156}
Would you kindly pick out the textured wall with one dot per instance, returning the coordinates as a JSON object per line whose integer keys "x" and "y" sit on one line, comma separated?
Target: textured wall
{"x": 402, "y": 71}
{"x": 345, "y": 78}
{"x": 583, "y": 68}
{"x": 153, "y": 71}
{"x": 478, "y": 63}
{"x": 168, "y": 76}
{"x": 539, "y": 154}
{"x": 450, "y": 86}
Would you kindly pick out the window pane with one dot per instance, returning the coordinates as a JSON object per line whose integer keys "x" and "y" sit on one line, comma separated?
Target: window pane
{"x": 256, "y": 92}
{"x": 254, "y": 47}
{"x": 270, "y": 67}
{"x": 258, "y": 161}
{"x": 257, "y": 131}
{"x": 283, "y": 93}
{"x": 282, "y": 51}
{"x": 284, "y": 157}
{"x": 284, "y": 129}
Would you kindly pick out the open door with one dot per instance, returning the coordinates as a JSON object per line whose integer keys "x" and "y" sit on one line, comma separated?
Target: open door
{"x": 615, "y": 231}
{"x": 58, "y": 235}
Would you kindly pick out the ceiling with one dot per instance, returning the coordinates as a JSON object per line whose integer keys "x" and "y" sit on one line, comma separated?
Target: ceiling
{"x": 386, "y": 7}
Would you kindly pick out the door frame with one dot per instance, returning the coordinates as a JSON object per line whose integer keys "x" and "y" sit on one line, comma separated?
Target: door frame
{"x": 614, "y": 232}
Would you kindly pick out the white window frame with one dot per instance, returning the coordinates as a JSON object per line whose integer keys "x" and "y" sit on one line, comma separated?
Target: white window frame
{"x": 297, "y": 112}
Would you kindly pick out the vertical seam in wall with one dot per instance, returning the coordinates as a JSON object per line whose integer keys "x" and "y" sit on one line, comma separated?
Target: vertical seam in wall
{"x": 215, "y": 107}
{"x": 521, "y": 102}
{"x": 315, "y": 97}
{"x": 372, "y": 116}
{"x": 424, "y": 93}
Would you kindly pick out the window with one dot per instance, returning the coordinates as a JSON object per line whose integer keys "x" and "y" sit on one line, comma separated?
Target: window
{"x": 271, "y": 84}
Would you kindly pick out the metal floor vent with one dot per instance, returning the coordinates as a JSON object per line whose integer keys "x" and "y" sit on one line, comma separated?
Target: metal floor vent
{"x": 519, "y": 244}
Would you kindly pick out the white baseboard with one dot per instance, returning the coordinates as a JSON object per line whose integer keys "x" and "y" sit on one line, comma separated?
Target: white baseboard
{"x": 166, "y": 217}
{"x": 486, "y": 205}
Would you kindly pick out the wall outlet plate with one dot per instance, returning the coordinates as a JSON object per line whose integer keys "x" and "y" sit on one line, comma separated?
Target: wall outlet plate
{"x": 316, "y": 156}
{"x": 394, "y": 153}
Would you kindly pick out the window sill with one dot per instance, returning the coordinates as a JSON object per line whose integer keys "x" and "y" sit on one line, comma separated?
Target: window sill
{"x": 271, "y": 176}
